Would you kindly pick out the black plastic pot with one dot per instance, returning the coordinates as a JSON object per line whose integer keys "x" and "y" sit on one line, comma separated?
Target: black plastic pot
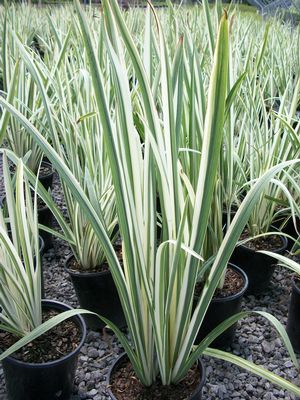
{"x": 45, "y": 381}
{"x": 47, "y": 180}
{"x": 96, "y": 291}
{"x": 293, "y": 322}
{"x": 45, "y": 217}
{"x": 219, "y": 310}
{"x": 196, "y": 395}
{"x": 290, "y": 230}
{"x": 258, "y": 267}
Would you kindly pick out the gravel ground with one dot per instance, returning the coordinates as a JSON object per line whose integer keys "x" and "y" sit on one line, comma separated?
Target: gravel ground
{"x": 255, "y": 340}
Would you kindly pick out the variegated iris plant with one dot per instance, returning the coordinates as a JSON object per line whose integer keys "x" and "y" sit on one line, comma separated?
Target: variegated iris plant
{"x": 20, "y": 265}
{"x": 24, "y": 94}
{"x": 147, "y": 153}
{"x": 75, "y": 133}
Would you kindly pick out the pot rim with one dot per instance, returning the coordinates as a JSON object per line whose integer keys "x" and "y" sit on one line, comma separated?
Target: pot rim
{"x": 117, "y": 361}
{"x": 85, "y": 273}
{"x": 240, "y": 293}
{"x": 41, "y": 244}
{"x": 39, "y": 209}
{"x": 47, "y": 163}
{"x": 279, "y": 250}
{"x": 82, "y": 326}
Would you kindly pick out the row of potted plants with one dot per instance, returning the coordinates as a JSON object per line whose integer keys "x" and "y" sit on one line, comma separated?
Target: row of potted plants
{"x": 48, "y": 366}
{"x": 138, "y": 139}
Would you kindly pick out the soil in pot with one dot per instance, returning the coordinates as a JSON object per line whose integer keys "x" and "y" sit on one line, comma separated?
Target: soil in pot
{"x": 45, "y": 369}
{"x": 293, "y": 322}
{"x": 258, "y": 267}
{"x": 124, "y": 384}
{"x": 270, "y": 243}
{"x": 96, "y": 291}
{"x": 54, "y": 344}
{"x": 46, "y": 173}
{"x": 225, "y": 303}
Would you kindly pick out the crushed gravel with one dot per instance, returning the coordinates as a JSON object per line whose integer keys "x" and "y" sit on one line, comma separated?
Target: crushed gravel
{"x": 255, "y": 340}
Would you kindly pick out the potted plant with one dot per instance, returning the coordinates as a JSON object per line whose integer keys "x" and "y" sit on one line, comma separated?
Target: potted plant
{"x": 293, "y": 321}
{"x": 45, "y": 368}
{"x": 259, "y": 234}
{"x": 156, "y": 283}
{"x": 81, "y": 147}
{"x": 266, "y": 147}
{"x": 227, "y": 299}
{"x": 84, "y": 153}
{"x": 22, "y": 87}
{"x": 230, "y": 178}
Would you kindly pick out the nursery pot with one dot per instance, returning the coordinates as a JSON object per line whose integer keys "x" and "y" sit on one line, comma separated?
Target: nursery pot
{"x": 45, "y": 381}
{"x": 219, "y": 310}
{"x": 96, "y": 291}
{"x": 258, "y": 267}
{"x": 45, "y": 217}
{"x": 196, "y": 395}
{"x": 290, "y": 230}
{"x": 47, "y": 180}
{"x": 293, "y": 322}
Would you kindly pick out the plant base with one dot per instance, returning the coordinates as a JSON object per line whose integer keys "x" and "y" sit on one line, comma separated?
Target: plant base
{"x": 124, "y": 385}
